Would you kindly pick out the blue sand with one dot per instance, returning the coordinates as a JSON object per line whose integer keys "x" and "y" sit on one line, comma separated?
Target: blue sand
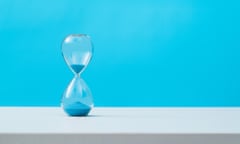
{"x": 77, "y": 67}
{"x": 77, "y": 109}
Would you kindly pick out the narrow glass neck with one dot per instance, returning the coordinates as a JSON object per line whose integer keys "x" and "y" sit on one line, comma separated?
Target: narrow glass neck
{"x": 77, "y": 75}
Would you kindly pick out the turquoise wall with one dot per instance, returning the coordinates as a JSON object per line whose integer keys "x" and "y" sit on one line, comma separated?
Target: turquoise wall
{"x": 147, "y": 52}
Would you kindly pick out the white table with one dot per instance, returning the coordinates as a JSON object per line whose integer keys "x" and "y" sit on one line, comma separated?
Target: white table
{"x": 50, "y": 125}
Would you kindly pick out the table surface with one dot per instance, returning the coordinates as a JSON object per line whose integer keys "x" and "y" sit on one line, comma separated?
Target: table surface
{"x": 115, "y": 120}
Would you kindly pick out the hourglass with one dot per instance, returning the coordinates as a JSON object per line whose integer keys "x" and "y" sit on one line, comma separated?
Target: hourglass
{"x": 77, "y": 51}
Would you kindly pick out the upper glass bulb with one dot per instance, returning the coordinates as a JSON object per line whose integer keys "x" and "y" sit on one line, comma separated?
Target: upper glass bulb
{"x": 77, "y": 51}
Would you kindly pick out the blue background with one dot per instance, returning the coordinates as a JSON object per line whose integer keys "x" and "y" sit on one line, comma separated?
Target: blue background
{"x": 147, "y": 52}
